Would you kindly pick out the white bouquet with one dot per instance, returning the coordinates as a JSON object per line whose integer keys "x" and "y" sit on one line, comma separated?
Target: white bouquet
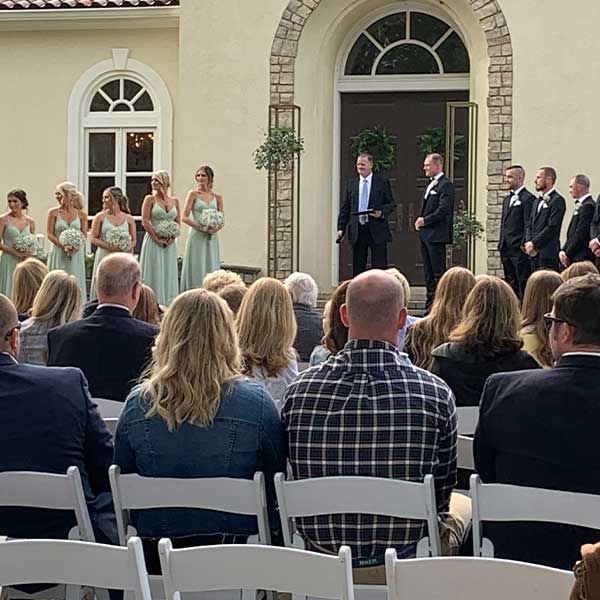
{"x": 71, "y": 239}
{"x": 25, "y": 242}
{"x": 119, "y": 239}
{"x": 211, "y": 217}
{"x": 166, "y": 229}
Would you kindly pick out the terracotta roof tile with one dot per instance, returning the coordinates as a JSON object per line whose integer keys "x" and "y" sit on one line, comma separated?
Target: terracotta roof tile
{"x": 53, "y": 4}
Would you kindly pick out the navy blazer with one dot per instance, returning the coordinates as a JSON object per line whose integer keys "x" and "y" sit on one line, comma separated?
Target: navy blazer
{"x": 540, "y": 429}
{"x": 576, "y": 246}
{"x": 110, "y": 347}
{"x": 513, "y": 223}
{"x": 437, "y": 210}
{"x": 544, "y": 225}
{"x": 380, "y": 198}
{"x": 49, "y": 423}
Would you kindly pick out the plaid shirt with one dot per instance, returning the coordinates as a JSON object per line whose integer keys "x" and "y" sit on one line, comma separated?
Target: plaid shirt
{"x": 368, "y": 411}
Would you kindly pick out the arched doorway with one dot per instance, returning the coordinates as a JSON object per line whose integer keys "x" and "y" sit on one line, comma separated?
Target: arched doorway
{"x": 396, "y": 73}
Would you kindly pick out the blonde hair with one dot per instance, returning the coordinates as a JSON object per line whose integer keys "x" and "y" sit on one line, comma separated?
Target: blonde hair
{"x": 403, "y": 282}
{"x": 267, "y": 327}
{"x": 424, "y": 335}
{"x": 195, "y": 356}
{"x": 491, "y": 319}
{"x": 69, "y": 189}
{"x": 163, "y": 178}
{"x": 537, "y": 301}
{"x": 217, "y": 280}
{"x": 577, "y": 269}
{"x": 58, "y": 300}
{"x": 27, "y": 279}
{"x": 147, "y": 306}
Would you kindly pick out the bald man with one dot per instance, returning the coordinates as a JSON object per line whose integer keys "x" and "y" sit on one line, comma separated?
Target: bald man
{"x": 368, "y": 411}
{"x": 110, "y": 346}
{"x": 48, "y": 423}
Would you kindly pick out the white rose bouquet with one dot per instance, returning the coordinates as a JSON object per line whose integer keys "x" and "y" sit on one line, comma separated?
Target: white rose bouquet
{"x": 119, "y": 239}
{"x": 212, "y": 218}
{"x": 166, "y": 229}
{"x": 26, "y": 243}
{"x": 71, "y": 239}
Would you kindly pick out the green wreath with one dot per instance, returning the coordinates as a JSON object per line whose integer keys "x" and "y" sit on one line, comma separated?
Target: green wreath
{"x": 379, "y": 143}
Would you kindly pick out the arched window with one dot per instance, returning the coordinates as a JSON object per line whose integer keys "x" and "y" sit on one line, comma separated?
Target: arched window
{"x": 407, "y": 43}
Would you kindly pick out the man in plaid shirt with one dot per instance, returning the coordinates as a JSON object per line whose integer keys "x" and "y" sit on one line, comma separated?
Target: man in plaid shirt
{"x": 368, "y": 411}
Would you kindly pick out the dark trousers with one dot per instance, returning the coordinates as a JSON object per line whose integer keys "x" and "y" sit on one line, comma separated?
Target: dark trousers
{"x": 434, "y": 266}
{"x": 360, "y": 252}
{"x": 551, "y": 264}
{"x": 517, "y": 269}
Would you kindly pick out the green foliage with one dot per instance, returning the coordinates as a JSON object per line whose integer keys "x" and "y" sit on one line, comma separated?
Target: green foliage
{"x": 433, "y": 141}
{"x": 379, "y": 143}
{"x": 280, "y": 148}
{"x": 466, "y": 227}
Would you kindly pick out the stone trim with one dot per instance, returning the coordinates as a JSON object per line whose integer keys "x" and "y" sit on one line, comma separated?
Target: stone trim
{"x": 499, "y": 101}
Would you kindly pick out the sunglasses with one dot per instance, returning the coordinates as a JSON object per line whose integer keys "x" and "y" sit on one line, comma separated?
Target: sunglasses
{"x": 549, "y": 320}
{"x": 9, "y": 333}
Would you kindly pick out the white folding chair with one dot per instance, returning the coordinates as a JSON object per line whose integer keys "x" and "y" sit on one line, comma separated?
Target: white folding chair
{"x": 111, "y": 424}
{"x": 473, "y": 579}
{"x": 74, "y": 564}
{"x": 501, "y": 502}
{"x": 109, "y": 409}
{"x": 467, "y": 418}
{"x": 464, "y": 451}
{"x": 211, "y": 568}
{"x": 366, "y": 495}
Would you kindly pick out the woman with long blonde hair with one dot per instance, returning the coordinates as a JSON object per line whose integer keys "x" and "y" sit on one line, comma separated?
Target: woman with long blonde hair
{"x": 194, "y": 415}
{"x": 428, "y": 333}
{"x": 485, "y": 341}
{"x": 27, "y": 279}
{"x": 267, "y": 330}
{"x": 537, "y": 301}
{"x": 57, "y": 302}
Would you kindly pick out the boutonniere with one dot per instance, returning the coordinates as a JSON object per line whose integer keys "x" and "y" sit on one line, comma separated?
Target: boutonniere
{"x": 514, "y": 201}
{"x": 546, "y": 197}
{"x": 576, "y": 212}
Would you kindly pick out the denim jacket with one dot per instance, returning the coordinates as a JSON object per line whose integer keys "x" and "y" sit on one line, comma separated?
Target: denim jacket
{"x": 246, "y": 436}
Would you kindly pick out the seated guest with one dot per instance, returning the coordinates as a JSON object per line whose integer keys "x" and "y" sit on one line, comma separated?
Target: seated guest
{"x": 47, "y": 424}
{"x": 577, "y": 269}
{"x": 217, "y": 280}
{"x": 194, "y": 415}
{"x": 428, "y": 333}
{"x": 485, "y": 341}
{"x": 57, "y": 302}
{"x": 27, "y": 279}
{"x": 267, "y": 328}
{"x": 336, "y": 333}
{"x": 309, "y": 322}
{"x": 539, "y": 428}
{"x": 410, "y": 319}
{"x": 369, "y": 412}
{"x": 110, "y": 346}
{"x": 537, "y": 301}
{"x": 233, "y": 294}
{"x": 147, "y": 308}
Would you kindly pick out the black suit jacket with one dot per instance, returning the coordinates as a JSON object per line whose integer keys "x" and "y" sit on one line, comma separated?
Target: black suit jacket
{"x": 576, "y": 246}
{"x": 110, "y": 347}
{"x": 380, "y": 198}
{"x": 514, "y": 221}
{"x": 437, "y": 211}
{"x": 48, "y": 423}
{"x": 545, "y": 224}
{"x": 540, "y": 429}
{"x": 595, "y": 224}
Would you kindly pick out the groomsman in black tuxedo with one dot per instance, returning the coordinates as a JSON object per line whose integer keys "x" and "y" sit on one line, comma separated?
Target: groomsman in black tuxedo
{"x": 369, "y": 193}
{"x": 435, "y": 223}
{"x": 594, "y": 244}
{"x": 577, "y": 246}
{"x": 542, "y": 237}
{"x": 516, "y": 213}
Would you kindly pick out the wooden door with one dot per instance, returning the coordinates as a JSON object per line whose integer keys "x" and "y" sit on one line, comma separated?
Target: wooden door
{"x": 406, "y": 115}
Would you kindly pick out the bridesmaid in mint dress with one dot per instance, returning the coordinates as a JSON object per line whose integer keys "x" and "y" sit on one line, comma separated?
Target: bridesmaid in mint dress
{"x": 115, "y": 215}
{"x": 68, "y": 215}
{"x": 12, "y": 224}
{"x": 158, "y": 257}
{"x": 202, "y": 247}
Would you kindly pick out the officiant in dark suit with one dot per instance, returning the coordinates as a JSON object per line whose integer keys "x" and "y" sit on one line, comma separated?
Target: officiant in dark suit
{"x": 435, "y": 223}
{"x": 594, "y": 244}
{"x": 371, "y": 194}
{"x": 516, "y": 212}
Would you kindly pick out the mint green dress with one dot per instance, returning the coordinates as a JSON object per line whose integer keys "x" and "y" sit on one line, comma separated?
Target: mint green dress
{"x": 201, "y": 250}
{"x": 8, "y": 262}
{"x": 159, "y": 263}
{"x": 102, "y": 252}
{"x": 58, "y": 259}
